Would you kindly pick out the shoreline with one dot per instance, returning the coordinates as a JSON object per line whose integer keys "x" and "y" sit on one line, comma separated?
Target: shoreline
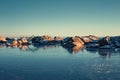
{"x": 91, "y": 41}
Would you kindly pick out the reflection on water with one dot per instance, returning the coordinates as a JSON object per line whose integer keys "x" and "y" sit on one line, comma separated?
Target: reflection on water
{"x": 105, "y": 52}
{"x": 73, "y": 50}
{"x": 86, "y": 64}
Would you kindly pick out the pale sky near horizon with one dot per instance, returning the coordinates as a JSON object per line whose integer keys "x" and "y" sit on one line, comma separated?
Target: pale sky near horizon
{"x": 59, "y": 17}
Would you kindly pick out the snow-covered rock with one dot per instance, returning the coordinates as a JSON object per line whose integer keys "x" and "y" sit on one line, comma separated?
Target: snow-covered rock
{"x": 90, "y": 38}
{"x": 78, "y": 40}
{"x": 48, "y": 38}
{"x": 11, "y": 41}
{"x": 67, "y": 42}
{"x": 93, "y": 37}
{"x": 104, "y": 41}
{"x": 24, "y": 40}
{"x": 73, "y": 41}
{"x": 58, "y": 38}
{"x": 2, "y": 39}
{"x": 86, "y": 39}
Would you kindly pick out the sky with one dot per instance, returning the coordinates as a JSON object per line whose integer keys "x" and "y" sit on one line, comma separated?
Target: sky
{"x": 59, "y": 17}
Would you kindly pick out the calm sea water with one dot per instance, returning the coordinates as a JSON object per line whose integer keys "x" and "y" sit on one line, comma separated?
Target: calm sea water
{"x": 58, "y": 63}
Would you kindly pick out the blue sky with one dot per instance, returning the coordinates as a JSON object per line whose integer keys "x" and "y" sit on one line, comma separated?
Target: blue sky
{"x": 59, "y": 17}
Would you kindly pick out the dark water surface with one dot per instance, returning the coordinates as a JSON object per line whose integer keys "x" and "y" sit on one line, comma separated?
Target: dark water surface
{"x": 57, "y": 63}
